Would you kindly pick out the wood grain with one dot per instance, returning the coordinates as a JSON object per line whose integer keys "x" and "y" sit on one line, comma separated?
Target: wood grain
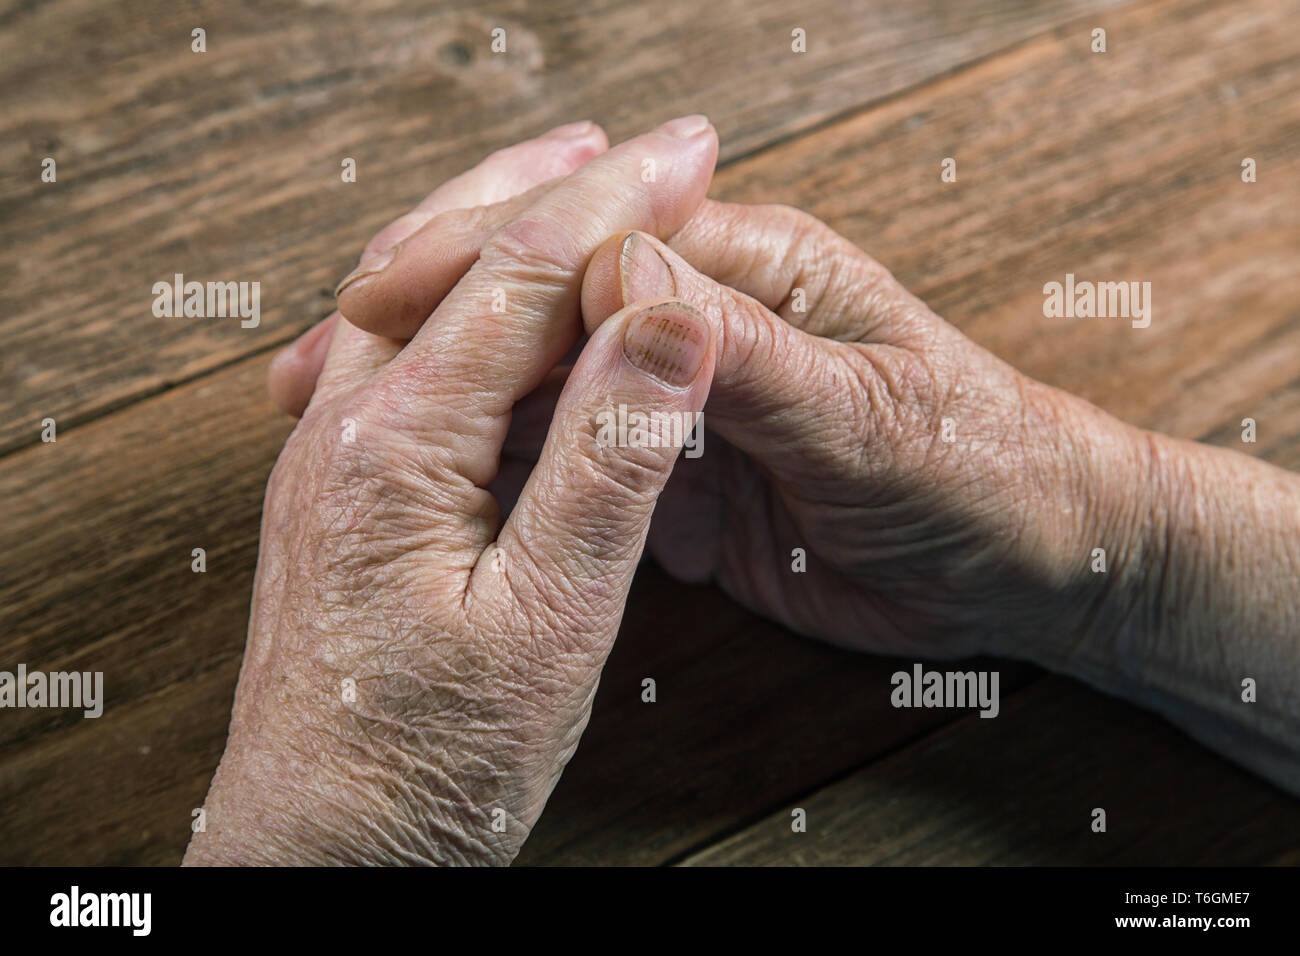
{"x": 747, "y": 715}
{"x": 125, "y": 785}
{"x": 963, "y": 797}
{"x": 225, "y": 165}
{"x": 1122, "y": 165}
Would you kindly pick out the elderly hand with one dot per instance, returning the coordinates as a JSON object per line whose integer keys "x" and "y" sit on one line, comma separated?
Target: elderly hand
{"x": 884, "y": 483}
{"x": 948, "y": 504}
{"x": 881, "y": 481}
{"x": 417, "y": 671}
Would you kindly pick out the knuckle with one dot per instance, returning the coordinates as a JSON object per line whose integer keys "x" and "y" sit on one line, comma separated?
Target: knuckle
{"x": 811, "y": 252}
{"x": 883, "y": 306}
{"x": 834, "y": 274}
{"x": 350, "y": 434}
{"x": 533, "y": 248}
{"x": 803, "y": 238}
{"x": 746, "y": 333}
{"x": 478, "y": 219}
{"x": 797, "y": 225}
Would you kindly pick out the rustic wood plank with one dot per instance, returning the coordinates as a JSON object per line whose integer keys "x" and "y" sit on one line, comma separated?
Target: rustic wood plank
{"x": 97, "y": 550}
{"x": 125, "y": 784}
{"x": 99, "y": 539}
{"x": 225, "y": 165}
{"x": 964, "y": 796}
{"x": 747, "y": 715}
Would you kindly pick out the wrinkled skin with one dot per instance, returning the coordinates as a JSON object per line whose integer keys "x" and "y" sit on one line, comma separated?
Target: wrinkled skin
{"x": 835, "y": 419}
{"x": 827, "y": 434}
{"x": 946, "y": 503}
{"x": 418, "y": 670}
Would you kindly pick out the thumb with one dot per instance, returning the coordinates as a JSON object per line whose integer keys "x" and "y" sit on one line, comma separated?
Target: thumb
{"x": 803, "y": 405}
{"x": 571, "y": 545}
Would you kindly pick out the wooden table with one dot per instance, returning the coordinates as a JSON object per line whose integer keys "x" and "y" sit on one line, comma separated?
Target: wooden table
{"x": 225, "y": 165}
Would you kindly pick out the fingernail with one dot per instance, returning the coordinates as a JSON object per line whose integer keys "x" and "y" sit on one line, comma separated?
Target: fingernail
{"x": 668, "y": 341}
{"x": 570, "y": 130}
{"x": 686, "y": 126}
{"x": 644, "y": 273}
{"x": 378, "y": 264}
